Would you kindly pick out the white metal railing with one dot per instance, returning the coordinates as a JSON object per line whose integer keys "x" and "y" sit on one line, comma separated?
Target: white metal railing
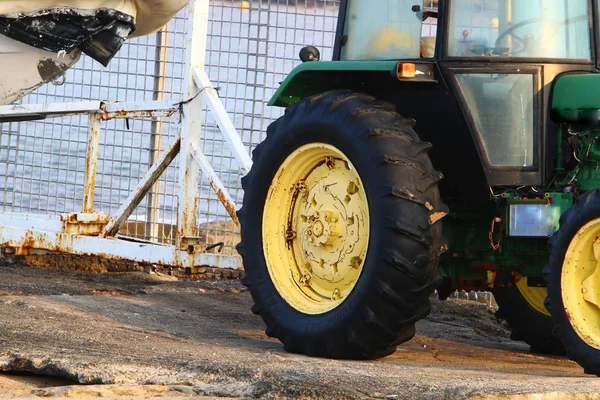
{"x": 88, "y": 232}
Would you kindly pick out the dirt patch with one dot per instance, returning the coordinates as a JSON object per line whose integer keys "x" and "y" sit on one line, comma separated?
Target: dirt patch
{"x": 470, "y": 316}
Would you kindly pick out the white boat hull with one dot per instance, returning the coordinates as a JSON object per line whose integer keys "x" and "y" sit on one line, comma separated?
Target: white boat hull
{"x": 24, "y": 68}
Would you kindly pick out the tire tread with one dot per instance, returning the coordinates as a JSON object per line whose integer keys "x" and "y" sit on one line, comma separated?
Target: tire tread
{"x": 409, "y": 194}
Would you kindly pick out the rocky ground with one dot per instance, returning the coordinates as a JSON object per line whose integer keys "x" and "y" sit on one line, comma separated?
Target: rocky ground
{"x": 71, "y": 334}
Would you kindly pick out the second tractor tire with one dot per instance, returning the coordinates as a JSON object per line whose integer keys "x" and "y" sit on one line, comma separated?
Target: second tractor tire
{"x": 526, "y": 323}
{"x": 400, "y": 268}
{"x": 574, "y": 258}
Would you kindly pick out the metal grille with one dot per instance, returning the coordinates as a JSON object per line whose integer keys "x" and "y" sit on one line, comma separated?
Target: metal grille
{"x": 249, "y": 52}
{"x": 251, "y": 47}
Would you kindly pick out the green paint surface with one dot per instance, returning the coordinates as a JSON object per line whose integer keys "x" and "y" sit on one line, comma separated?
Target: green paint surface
{"x": 315, "y": 77}
{"x": 576, "y": 97}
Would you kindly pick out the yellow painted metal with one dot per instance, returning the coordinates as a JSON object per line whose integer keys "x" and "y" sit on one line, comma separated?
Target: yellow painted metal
{"x": 580, "y": 283}
{"x": 534, "y": 296}
{"x": 315, "y": 228}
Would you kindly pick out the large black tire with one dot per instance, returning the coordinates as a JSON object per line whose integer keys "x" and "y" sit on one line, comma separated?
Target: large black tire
{"x": 526, "y": 324}
{"x": 585, "y": 209}
{"x": 401, "y": 265}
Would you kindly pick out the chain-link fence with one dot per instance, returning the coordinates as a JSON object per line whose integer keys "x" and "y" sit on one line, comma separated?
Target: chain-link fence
{"x": 251, "y": 47}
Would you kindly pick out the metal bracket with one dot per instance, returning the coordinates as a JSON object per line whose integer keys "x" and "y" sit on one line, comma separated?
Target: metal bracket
{"x": 90, "y": 224}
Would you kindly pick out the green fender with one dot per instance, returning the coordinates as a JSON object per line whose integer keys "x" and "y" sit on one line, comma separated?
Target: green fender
{"x": 316, "y": 77}
{"x": 576, "y": 98}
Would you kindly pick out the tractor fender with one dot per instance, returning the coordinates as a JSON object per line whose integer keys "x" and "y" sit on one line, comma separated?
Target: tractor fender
{"x": 311, "y": 78}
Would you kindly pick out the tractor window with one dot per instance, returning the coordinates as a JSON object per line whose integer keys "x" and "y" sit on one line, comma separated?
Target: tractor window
{"x": 382, "y": 30}
{"x": 520, "y": 28}
{"x": 502, "y": 109}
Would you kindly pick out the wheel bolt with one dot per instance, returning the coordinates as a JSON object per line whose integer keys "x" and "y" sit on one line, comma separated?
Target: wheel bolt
{"x": 305, "y": 279}
{"x": 336, "y": 295}
{"x": 330, "y": 162}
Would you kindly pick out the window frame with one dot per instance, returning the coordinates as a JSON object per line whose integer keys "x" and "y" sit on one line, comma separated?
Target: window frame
{"x": 538, "y": 120}
{"x": 594, "y": 41}
{"x": 340, "y": 38}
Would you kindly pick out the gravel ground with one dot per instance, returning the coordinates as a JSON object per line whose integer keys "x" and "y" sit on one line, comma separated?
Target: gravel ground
{"x": 137, "y": 335}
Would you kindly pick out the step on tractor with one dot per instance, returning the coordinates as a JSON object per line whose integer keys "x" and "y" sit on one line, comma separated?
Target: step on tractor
{"x": 449, "y": 145}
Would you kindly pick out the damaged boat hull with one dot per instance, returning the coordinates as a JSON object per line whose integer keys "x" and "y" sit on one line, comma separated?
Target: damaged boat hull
{"x": 40, "y": 40}
{"x": 24, "y": 68}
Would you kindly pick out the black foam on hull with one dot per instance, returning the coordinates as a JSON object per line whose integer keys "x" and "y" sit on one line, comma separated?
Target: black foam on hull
{"x": 99, "y": 34}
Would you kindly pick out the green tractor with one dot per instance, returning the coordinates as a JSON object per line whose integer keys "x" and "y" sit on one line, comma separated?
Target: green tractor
{"x": 448, "y": 146}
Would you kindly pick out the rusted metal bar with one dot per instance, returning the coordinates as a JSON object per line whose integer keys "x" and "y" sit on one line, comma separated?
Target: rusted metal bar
{"x": 107, "y": 111}
{"x": 215, "y": 183}
{"x": 156, "y": 130}
{"x": 23, "y": 240}
{"x": 191, "y": 126}
{"x": 150, "y": 108}
{"x": 136, "y": 197}
{"x": 106, "y": 116}
{"x": 91, "y": 162}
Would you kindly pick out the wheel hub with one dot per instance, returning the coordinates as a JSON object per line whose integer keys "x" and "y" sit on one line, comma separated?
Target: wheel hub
{"x": 316, "y": 228}
{"x": 590, "y": 287}
{"x": 328, "y": 238}
{"x": 580, "y": 283}
{"x": 321, "y": 229}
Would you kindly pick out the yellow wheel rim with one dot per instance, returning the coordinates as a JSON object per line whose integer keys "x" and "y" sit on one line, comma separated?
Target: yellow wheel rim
{"x": 315, "y": 228}
{"x": 534, "y": 296}
{"x": 580, "y": 278}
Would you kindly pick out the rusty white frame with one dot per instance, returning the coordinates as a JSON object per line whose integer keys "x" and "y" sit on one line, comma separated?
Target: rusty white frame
{"x": 95, "y": 234}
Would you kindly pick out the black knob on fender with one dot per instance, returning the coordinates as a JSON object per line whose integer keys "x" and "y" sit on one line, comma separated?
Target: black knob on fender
{"x": 310, "y": 53}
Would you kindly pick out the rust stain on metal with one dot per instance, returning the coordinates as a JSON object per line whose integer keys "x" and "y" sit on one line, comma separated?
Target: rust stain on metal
{"x": 122, "y": 114}
{"x": 229, "y": 206}
{"x": 62, "y": 245}
{"x": 91, "y": 160}
{"x": 330, "y": 162}
{"x": 28, "y": 239}
{"x": 84, "y": 224}
{"x": 187, "y": 227}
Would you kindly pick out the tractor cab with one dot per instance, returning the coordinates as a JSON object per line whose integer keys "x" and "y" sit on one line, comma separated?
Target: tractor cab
{"x": 408, "y": 29}
{"x": 499, "y": 58}
{"x": 555, "y": 29}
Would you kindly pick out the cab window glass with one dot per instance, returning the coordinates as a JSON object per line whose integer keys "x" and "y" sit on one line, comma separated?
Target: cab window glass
{"x": 502, "y": 108}
{"x": 520, "y": 28}
{"x": 383, "y": 30}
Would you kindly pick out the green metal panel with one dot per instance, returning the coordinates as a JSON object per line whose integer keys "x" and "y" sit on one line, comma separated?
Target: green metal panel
{"x": 471, "y": 253}
{"x": 576, "y": 97}
{"x": 316, "y": 77}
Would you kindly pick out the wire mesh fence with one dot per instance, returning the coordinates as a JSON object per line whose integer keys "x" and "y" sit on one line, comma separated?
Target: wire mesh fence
{"x": 251, "y": 47}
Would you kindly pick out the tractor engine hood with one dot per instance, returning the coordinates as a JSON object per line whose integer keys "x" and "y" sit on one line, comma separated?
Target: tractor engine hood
{"x": 96, "y": 27}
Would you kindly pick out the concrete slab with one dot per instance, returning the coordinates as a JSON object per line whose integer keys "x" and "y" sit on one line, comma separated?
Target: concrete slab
{"x": 135, "y": 329}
